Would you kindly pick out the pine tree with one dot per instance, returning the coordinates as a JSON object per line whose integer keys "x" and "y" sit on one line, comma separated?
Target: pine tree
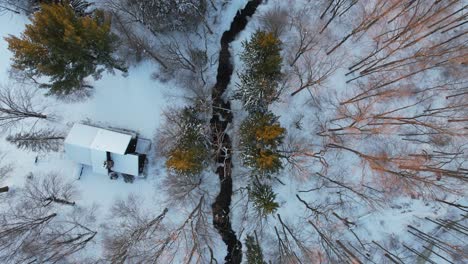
{"x": 190, "y": 153}
{"x": 263, "y": 198}
{"x": 260, "y": 137}
{"x": 65, "y": 47}
{"x": 254, "y": 251}
{"x": 45, "y": 140}
{"x": 262, "y": 74}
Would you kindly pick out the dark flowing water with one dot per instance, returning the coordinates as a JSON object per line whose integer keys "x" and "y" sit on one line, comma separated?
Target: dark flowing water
{"x": 222, "y": 116}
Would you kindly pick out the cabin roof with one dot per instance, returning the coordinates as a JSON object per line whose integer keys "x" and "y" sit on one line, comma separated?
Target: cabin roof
{"x": 98, "y": 139}
{"x": 81, "y": 135}
{"x": 111, "y": 141}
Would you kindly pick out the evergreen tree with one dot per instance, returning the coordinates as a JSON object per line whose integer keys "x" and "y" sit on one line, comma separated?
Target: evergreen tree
{"x": 65, "y": 47}
{"x": 260, "y": 137}
{"x": 190, "y": 153}
{"x": 254, "y": 251}
{"x": 260, "y": 79}
{"x": 263, "y": 198}
{"x": 39, "y": 141}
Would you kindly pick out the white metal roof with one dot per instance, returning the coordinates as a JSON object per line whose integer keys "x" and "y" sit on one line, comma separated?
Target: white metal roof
{"x": 81, "y": 135}
{"x": 111, "y": 141}
{"x": 125, "y": 163}
{"x": 98, "y": 139}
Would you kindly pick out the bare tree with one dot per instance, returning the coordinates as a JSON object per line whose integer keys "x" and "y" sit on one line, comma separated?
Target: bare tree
{"x": 334, "y": 9}
{"x": 15, "y": 6}
{"x": 17, "y": 104}
{"x": 143, "y": 236}
{"x": 135, "y": 238}
{"x": 39, "y": 235}
{"x": 275, "y": 20}
{"x": 186, "y": 56}
{"x": 313, "y": 71}
{"x": 309, "y": 65}
{"x": 137, "y": 46}
{"x": 51, "y": 188}
{"x": 183, "y": 188}
{"x": 34, "y": 227}
{"x": 305, "y": 38}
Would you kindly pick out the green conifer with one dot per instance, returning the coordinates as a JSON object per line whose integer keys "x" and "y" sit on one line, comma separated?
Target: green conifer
{"x": 260, "y": 137}
{"x": 65, "y": 47}
{"x": 263, "y": 198}
{"x": 262, "y": 74}
{"x": 189, "y": 154}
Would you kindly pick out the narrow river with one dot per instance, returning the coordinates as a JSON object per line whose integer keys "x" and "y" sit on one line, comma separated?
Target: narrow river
{"x": 222, "y": 117}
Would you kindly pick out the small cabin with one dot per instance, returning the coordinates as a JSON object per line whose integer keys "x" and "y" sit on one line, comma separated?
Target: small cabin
{"x": 107, "y": 151}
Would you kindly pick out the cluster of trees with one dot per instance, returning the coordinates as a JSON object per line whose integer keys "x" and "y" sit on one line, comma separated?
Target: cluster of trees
{"x": 260, "y": 134}
{"x": 136, "y": 235}
{"x": 183, "y": 141}
{"x": 66, "y": 43}
{"x": 396, "y": 127}
{"x": 402, "y": 119}
{"x": 41, "y": 222}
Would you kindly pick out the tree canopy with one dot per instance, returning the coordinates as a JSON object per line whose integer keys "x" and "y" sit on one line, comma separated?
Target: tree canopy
{"x": 262, "y": 74}
{"x": 188, "y": 156}
{"x": 65, "y": 47}
{"x": 261, "y": 135}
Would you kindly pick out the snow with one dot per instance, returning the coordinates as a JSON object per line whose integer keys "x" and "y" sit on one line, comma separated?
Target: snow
{"x": 125, "y": 163}
{"x": 81, "y": 135}
{"x": 133, "y": 102}
{"x": 136, "y": 101}
{"x": 111, "y": 141}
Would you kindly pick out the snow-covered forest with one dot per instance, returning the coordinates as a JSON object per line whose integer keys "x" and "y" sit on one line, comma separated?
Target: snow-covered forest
{"x": 234, "y": 131}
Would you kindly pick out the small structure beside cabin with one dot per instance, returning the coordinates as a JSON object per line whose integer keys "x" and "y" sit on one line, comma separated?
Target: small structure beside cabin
{"x": 107, "y": 151}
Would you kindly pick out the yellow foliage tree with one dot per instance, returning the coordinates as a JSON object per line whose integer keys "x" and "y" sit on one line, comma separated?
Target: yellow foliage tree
{"x": 261, "y": 135}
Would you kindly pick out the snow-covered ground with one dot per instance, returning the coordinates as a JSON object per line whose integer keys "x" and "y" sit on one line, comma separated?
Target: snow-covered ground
{"x": 136, "y": 102}
{"x": 133, "y": 102}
